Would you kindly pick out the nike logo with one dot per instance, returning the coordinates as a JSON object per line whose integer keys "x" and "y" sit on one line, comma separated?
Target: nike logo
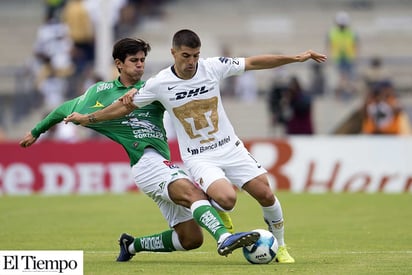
{"x": 124, "y": 242}
{"x": 171, "y": 88}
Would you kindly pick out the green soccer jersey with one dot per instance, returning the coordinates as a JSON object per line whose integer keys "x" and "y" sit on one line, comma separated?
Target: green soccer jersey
{"x": 141, "y": 128}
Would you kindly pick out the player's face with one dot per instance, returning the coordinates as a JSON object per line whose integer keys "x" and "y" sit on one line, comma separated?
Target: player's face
{"x": 132, "y": 69}
{"x": 186, "y": 61}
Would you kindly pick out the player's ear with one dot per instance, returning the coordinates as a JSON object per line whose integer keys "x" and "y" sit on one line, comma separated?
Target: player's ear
{"x": 118, "y": 63}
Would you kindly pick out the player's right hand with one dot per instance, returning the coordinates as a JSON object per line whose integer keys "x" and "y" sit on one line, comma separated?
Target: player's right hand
{"x": 127, "y": 98}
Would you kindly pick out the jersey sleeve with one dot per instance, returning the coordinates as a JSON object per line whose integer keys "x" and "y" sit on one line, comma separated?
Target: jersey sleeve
{"x": 224, "y": 67}
{"x": 54, "y": 117}
{"x": 147, "y": 93}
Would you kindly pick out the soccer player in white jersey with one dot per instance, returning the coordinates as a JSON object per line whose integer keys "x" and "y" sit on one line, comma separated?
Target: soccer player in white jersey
{"x": 209, "y": 147}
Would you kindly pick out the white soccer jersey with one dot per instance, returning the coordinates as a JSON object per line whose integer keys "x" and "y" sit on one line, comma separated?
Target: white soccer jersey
{"x": 195, "y": 105}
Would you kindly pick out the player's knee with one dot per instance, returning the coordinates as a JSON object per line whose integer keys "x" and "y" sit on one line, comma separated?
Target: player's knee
{"x": 227, "y": 202}
{"x": 267, "y": 199}
{"x": 184, "y": 193}
{"x": 223, "y": 195}
{"x": 191, "y": 242}
{"x": 259, "y": 188}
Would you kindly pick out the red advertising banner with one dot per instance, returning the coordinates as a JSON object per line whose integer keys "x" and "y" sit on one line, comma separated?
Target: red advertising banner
{"x": 63, "y": 168}
{"x": 297, "y": 164}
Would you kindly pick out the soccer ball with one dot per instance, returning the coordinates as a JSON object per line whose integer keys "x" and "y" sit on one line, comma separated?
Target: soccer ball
{"x": 264, "y": 250}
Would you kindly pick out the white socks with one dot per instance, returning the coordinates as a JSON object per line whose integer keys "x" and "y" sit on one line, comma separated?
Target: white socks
{"x": 274, "y": 217}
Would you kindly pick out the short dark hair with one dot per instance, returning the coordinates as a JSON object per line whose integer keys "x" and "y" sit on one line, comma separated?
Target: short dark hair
{"x": 129, "y": 46}
{"x": 186, "y": 38}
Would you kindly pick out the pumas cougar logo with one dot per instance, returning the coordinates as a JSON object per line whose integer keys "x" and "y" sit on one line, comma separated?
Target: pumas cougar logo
{"x": 199, "y": 118}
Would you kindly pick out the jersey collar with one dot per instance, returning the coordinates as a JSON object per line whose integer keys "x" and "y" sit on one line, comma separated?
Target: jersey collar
{"x": 120, "y": 84}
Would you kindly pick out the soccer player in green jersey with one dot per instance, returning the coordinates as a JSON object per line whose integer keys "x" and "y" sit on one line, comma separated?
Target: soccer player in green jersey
{"x": 142, "y": 135}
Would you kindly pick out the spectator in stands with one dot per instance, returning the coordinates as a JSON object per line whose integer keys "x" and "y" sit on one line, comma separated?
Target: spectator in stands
{"x": 51, "y": 65}
{"x": 127, "y": 21}
{"x": 276, "y": 100}
{"x": 291, "y": 108}
{"x": 343, "y": 45}
{"x": 76, "y": 16}
{"x": 51, "y": 85}
{"x": 374, "y": 74}
{"x": 54, "y": 7}
{"x": 53, "y": 45}
{"x": 298, "y": 109}
{"x": 382, "y": 111}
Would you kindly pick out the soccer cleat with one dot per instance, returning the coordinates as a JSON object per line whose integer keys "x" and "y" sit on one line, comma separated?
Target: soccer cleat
{"x": 236, "y": 241}
{"x": 283, "y": 257}
{"x": 227, "y": 221}
{"x": 124, "y": 242}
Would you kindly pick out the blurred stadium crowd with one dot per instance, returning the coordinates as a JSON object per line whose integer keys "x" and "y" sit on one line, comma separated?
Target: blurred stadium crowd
{"x": 365, "y": 88}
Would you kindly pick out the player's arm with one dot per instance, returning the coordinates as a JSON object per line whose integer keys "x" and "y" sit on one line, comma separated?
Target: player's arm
{"x": 54, "y": 117}
{"x": 260, "y": 62}
{"x": 115, "y": 110}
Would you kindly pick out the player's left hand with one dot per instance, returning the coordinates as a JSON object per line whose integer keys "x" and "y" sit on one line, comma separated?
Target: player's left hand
{"x": 320, "y": 58}
{"x": 77, "y": 118}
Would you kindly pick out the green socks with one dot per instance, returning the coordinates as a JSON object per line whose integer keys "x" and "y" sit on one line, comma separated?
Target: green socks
{"x": 161, "y": 242}
{"x": 208, "y": 218}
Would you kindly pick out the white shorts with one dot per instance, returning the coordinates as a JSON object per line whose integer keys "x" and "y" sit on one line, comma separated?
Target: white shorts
{"x": 152, "y": 175}
{"x": 237, "y": 166}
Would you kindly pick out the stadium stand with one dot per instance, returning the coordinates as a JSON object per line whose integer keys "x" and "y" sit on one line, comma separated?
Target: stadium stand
{"x": 245, "y": 27}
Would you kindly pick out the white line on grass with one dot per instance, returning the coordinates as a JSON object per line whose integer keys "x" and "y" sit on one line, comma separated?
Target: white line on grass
{"x": 325, "y": 252}
{"x": 368, "y": 252}
{"x": 163, "y": 253}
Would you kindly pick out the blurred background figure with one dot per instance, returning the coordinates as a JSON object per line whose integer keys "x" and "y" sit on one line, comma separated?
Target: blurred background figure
{"x": 52, "y": 50}
{"x": 81, "y": 30}
{"x": 277, "y": 89}
{"x": 343, "y": 46}
{"x": 291, "y": 108}
{"x": 51, "y": 85}
{"x": 127, "y": 20}
{"x": 45, "y": 74}
{"x": 374, "y": 74}
{"x": 246, "y": 87}
{"x": 317, "y": 85}
{"x": 68, "y": 133}
{"x": 54, "y": 8}
{"x": 383, "y": 114}
{"x": 298, "y": 109}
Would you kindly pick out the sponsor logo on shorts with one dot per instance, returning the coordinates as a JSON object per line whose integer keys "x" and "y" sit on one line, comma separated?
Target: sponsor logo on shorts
{"x": 209, "y": 147}
{"x": 170, "y": 164}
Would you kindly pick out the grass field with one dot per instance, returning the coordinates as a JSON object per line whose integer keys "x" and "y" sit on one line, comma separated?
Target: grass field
{"x": 326, "y": 233}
